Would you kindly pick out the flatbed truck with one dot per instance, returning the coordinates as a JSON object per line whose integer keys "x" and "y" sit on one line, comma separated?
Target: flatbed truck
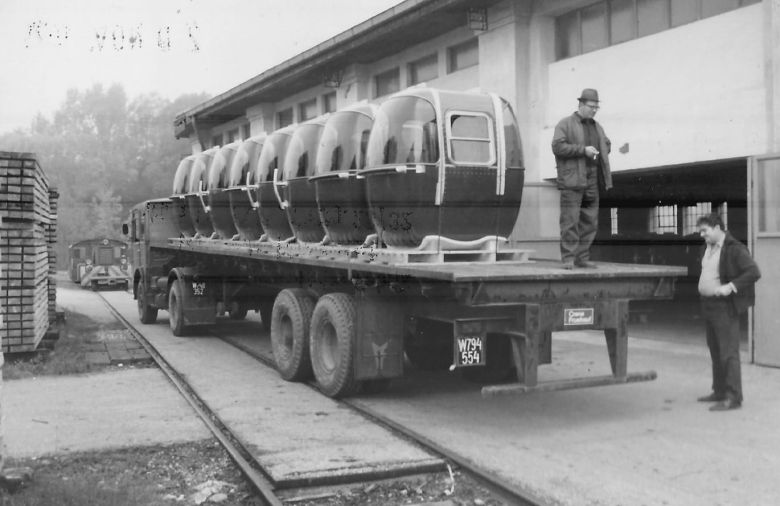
{"x": 354, "y": 316}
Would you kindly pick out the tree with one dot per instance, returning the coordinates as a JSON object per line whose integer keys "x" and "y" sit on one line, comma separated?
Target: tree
{"x": 104, "y": 153}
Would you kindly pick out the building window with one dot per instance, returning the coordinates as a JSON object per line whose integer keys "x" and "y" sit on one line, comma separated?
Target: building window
{"x": 621, "y": 21}
{"x": 723, "y": 211}
{"x": 246, "y": 132}
{"x": 463, "y": 55}
{"x": 387, "y": 82}
{"x": 652, "y": 16}
{"x": 684, "y": 11}
{"x": 284, "y": 118}
{"x": 307, "y": 110}
{"x": 216, "y": 141}
{"x": 609, "y": 22}
{"x": 692, "y": 213}
{"x": 593, "y": 26}
{"x": 714, "y": 7}
{"x": 424, "y": 69}
{"x": 613, "y": 220}
{"x": 232, "y": 135}
{"x": 329, "y": 103}
{"x": 665, "y": 219}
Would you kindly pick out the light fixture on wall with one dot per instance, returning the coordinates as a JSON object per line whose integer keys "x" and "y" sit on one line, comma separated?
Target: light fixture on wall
{"x": 477, "y": 19}
{"x": 332, "y": 79}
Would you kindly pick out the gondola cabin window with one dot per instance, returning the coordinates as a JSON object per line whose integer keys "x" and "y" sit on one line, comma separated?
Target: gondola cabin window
{"x": 471, "y": 138}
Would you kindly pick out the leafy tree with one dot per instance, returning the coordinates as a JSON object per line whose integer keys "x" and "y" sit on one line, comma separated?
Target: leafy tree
{"x": 104, "y": 153}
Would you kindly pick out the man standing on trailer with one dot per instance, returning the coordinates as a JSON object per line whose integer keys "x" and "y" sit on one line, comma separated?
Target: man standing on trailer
{"x": 728, "y": 274}
{"x": 581, "y": 150}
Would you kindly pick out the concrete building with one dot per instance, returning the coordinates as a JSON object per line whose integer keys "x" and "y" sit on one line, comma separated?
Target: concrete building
{"x": 690, "y": 95}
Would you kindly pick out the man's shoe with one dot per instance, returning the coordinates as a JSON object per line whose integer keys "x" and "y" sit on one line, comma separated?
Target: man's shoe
{"x": 585, "y": 264}
{"x": 569, "y": 265}
{"x": 713, "y": 397}
{"x": 726, "y": 405}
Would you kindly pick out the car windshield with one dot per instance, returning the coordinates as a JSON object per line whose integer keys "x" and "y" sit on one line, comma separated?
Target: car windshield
{"x": 405, "y": 131}
{"x": 344, "y": 142}
{"x": 302, "y": 151}
{"x": 245, "y": 162}
{"x": 181, "y": 180}
{"x": 273, "y": 151}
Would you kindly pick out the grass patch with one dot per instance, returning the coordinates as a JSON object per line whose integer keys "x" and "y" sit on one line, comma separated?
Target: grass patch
{"x": 69, "y": 355}
{"x": 143, "y": 476}
{"x": 81, "y": 492}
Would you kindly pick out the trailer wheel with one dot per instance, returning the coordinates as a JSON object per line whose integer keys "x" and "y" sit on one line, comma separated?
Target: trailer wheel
{"x": 175, "y": 310}
{"x": 237, "y": 311}
{"x": 146, "y": 313}
{"x": 290, "y": 322}
{"x": 332, "y": 344}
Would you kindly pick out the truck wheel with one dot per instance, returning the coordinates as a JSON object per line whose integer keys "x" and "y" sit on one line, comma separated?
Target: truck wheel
{"x": 146, "y": 313}
{"x": 332, "y": 345}
{"x": 175, "y": 310}
{"x": 290, "y": 322}
{"x": 237, "y": 311}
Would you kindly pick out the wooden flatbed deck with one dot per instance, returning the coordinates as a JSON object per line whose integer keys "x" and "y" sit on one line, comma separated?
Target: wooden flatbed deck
{"x": 363, "y": 260}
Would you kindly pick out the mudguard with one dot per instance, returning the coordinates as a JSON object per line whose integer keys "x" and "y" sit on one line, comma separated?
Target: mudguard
{"x": 199, "y": 305}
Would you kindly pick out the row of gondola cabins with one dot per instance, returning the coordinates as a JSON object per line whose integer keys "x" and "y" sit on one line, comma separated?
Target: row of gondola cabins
{"x": 425, "y": 162}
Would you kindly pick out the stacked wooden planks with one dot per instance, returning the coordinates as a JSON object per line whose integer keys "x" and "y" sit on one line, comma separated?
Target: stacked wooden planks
{"x": 26, "y": 234}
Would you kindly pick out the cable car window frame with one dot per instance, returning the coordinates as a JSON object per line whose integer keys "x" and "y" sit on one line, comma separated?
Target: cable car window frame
{"x": 491, "y": 139}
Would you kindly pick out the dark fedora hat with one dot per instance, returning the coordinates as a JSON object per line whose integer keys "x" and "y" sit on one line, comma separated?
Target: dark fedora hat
{"x": 589, "y": 94}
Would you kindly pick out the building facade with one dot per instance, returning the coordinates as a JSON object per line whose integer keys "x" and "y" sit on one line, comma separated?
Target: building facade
{"x": 690, "y": 90}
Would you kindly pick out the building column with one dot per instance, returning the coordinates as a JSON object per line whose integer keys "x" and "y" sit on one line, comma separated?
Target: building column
{"x": 355, "y": 86}
{"x": 772, "y": 72}
{"x": 261, "y": 118}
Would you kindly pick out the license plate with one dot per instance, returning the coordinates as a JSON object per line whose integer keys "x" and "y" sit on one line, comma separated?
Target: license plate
{"x": 469, "y": 351}
{"x": 578, "y": 316}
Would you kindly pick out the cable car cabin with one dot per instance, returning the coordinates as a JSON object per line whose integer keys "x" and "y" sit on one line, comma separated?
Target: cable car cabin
{"x": 197, "y": 193}
{"x": 242, "y": 185}
{"x": 99, "y": 262}
{"x": 218, "y": 200}
{"x": 273, "y": 217}
{"x": 341, "y": 195}
{"x": 299, "y": 196}
{"x": 181, "y": 185}
{"x": 443, "y": 165}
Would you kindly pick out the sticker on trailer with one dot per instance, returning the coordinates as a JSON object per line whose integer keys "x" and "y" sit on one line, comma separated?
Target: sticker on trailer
{"x": 469, "y": 351}
{"x": 578, "y": 316}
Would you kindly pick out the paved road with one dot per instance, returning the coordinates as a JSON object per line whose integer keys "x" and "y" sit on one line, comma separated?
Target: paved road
{"x": 647, "y": 443}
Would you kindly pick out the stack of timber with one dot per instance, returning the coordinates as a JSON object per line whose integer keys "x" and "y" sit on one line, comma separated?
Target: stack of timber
{"x": 51, "y": 242}
{"x": 25, "y": 239}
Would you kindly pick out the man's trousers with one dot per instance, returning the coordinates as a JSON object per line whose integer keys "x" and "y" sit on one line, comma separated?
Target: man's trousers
{"x": 579, "y": 219}
{"x": 722, "y": 323}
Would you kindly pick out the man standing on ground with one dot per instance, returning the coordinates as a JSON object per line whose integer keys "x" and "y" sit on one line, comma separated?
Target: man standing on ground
{"x": 728, "y": 274}
{"x": 581, "y": 150}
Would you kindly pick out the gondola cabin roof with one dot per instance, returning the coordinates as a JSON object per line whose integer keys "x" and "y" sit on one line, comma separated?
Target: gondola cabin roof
{"x": 221, "y": 162}
{"x": 181, "y": 179}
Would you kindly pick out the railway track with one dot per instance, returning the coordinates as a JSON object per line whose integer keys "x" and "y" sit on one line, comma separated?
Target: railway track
{"x": 253, "y": 470}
